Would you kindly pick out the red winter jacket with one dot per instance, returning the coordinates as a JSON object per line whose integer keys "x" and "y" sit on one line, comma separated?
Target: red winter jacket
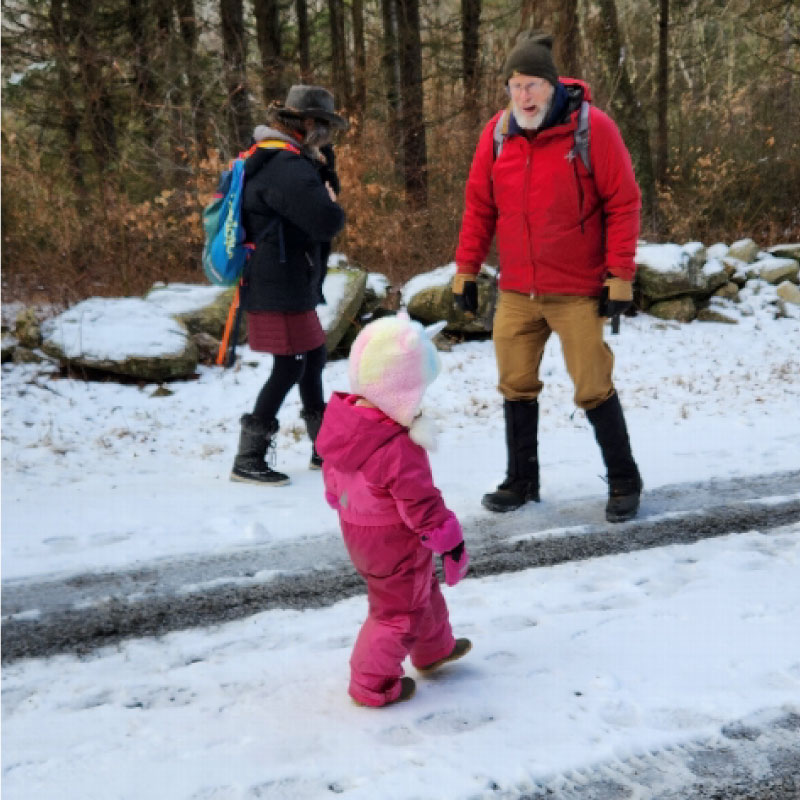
{"x": 560, "y": 230}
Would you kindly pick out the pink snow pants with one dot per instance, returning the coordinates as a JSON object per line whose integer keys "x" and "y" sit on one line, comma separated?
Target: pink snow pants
{"x": 407, "y": 612}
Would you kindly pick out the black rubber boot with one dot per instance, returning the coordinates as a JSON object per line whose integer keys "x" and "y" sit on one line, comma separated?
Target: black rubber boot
{"x": 624, "y": 481}
{"x": 249, "y": 465}
{"x": 522, "y": 443}
{"x": 313, "y": 420}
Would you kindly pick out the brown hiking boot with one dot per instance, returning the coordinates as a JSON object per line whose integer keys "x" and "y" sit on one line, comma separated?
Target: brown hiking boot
{"x": 460, "y": 649}
{"x": 407, "y": 689}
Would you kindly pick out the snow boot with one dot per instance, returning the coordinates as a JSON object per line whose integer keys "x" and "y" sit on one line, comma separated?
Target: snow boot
{"x": 255, "y": 439}
{"x": 624, "y": 481}
{"x": 407, "y": 689}
{"x": 460, "y": 649}
{"x": 522, "y": 443}
{"x": 313, "y": 420}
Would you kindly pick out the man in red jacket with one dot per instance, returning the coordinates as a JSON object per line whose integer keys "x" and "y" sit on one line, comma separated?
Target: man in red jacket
{"x": 566, "y": 240}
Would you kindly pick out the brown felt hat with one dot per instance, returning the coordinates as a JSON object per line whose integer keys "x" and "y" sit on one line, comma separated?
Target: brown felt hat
{"x": 315, "y": 102}
{"x": 532, "y": 55}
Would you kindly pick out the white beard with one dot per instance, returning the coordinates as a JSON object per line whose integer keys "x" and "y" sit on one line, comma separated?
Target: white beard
{"x": 531, "y": 122}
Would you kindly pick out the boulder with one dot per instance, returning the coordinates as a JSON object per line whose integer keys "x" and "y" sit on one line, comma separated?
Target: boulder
{"x": 10, "y": 343}
{"x": 681, "y": 309}
{"x": 344, "y": 289}
{"x": 712, "y": 315}
{"x": 27, "y": 329}
{"x": 668, "y": 270}
{"x": 24, "y": 355}
{"x": 789, "y": 293}
{"x": 376, "y": 294}
{"x": 429, "y": 299}
{"x": 123, "y": 336}
{"x": 728, "y": 291}
{"x": 785, "y": 251}
{"x": 745, "y": 250}
{"x": 201, "y": 308}
{"x": 775, "y": 270}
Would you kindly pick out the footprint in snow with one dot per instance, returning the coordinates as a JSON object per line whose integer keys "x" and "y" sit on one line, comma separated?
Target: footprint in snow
{"x": 444, "y": 723}
{"x": 513, "y": 622}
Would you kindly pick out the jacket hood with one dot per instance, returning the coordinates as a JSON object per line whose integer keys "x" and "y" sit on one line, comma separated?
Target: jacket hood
{"x": 350, "y": 435}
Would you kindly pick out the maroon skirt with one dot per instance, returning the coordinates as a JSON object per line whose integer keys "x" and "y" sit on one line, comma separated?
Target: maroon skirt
{"x": 284, "y": 333}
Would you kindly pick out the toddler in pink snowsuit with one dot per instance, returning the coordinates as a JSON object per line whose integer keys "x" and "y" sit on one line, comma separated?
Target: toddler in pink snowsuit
{"x": 393, "y": 519}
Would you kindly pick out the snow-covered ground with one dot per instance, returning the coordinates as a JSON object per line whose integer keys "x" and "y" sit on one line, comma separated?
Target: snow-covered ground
{"x": 572, "y": 664}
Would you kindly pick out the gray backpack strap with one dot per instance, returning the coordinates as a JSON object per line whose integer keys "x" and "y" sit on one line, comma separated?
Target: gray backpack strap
{"x": 582, "y": 136}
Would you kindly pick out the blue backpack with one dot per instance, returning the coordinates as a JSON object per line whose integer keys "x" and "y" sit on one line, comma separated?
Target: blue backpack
{"x": 225, "y": 250}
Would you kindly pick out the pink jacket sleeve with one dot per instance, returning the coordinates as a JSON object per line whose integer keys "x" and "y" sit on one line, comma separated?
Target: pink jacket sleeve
{"x": 617, "y": 187}
{"x": 408, "y": 477}
{"x": 480, "y": 212}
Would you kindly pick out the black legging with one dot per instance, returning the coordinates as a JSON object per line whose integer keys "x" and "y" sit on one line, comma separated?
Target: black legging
{"x": 305, "y": 370}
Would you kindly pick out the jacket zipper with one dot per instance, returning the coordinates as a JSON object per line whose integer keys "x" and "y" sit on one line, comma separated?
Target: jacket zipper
{"x": 526, "y": 217}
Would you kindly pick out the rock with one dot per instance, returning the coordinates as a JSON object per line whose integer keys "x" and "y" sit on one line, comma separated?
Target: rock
{"x": 785, "y": 251}
{"x": 728, "y": 291}
{"x": 201, "y": 308}
{"x": 10, "y": 343}
{"x": 789, "y": 293}
{"x": 775, "y": 270}
{"x": 429, "y": 299}
{"x": 736, "y": 270}
{"x": 681, "y": 309}
{"x": 123, "y": 336}
{"x": 745, "y": 250}
{"x": 376, "y": 293}
{"x": 344, "y": 288}
{"x": 710, "y": 315}
{"x": 24, "y": 355}
{"x": 718, "y": 250}
{"x": 27, "y": 329}
{"x": 162, "y": 391}
{"x": 669, "y": 270}
{"x": 207, "y": 347}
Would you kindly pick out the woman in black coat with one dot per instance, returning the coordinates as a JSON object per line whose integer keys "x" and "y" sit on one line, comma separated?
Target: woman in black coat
{"x": 290, "y": 214}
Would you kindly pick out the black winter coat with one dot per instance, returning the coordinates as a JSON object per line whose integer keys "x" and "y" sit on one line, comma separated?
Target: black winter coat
{"x": 288, "y": 212}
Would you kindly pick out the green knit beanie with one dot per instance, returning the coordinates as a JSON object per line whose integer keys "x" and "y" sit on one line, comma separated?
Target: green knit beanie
{"x": 532, "y": 55}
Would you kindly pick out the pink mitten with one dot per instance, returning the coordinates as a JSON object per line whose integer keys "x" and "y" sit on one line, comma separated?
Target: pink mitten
{"x": 456, "y": 564}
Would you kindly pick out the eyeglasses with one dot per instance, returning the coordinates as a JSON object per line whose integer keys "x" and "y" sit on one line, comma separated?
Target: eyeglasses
{"x": 533, "y": 85}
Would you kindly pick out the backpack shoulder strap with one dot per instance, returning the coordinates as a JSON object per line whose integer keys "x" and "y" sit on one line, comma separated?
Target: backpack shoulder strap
{"x": 500, "y": 132}
{"x": 582, "y": 137}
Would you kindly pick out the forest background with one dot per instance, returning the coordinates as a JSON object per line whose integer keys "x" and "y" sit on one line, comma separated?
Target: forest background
{"x": 118, "y": 116}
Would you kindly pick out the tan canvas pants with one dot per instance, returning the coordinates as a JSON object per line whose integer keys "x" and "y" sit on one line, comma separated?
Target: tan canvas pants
{"x": 522, "y": 326}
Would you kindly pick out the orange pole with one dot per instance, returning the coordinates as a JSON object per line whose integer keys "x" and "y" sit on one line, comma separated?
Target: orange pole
{"x": 223, "y": 345}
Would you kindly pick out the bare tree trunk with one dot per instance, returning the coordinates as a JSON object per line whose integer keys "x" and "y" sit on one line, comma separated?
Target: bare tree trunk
{"x": 568, "y": 39}
{"x": 360, "y": 62}
{"x": 412, "y": 119}
{"x": 341, "y": 82}
{"x": 662, "y": 151}
{"x": 268, "y": 34}
{"x": 627, "y": 109}
{"x": 391, "y": 77}
{"x": 99, "y": 113}
{"x": 140, "y": 29}
{"x": 301, "y": 9}
{"x": 470, "y": 59}
{"x": 197, "y": 106}
{"x": 62, "y": 35}
{"x": 234, "y": 55}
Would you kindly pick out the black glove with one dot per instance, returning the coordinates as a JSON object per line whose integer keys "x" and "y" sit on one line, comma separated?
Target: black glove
{"x": 465, "y": 293}
{"x": 616, "y": 297}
